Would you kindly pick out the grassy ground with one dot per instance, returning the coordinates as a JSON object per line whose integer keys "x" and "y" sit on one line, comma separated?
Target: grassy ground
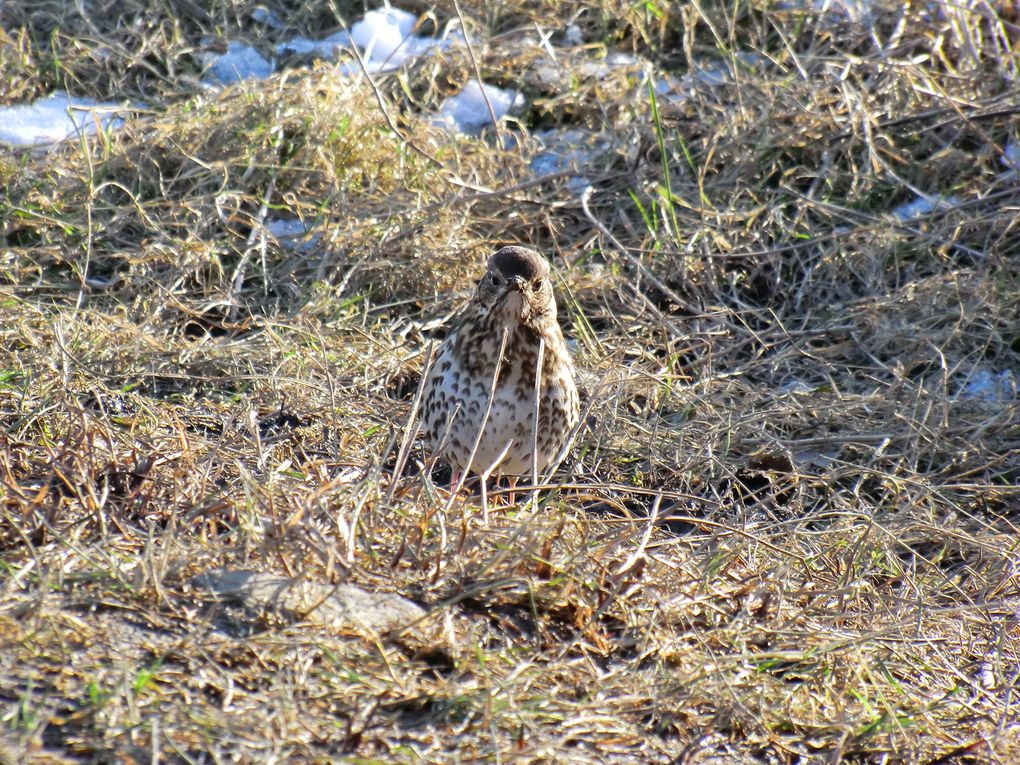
{"x": 786, "y": 534}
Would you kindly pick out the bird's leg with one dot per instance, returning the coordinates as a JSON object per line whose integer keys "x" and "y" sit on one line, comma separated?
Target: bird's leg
{"x": 484, "y": 477}
{"x": 534, "y": 423}
{"x": 485, "y": 499}
{"x": 512, "y": 481}
{"x": 454, "y": 480}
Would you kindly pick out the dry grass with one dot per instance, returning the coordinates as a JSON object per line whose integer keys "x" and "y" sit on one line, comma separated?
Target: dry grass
{"x": 785, "y": 535}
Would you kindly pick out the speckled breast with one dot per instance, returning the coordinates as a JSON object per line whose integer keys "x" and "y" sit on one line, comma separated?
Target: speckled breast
{"x": 506, "y": 444}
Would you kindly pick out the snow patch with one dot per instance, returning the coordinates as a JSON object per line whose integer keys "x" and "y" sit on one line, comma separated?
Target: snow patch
{"x": 993, "y": 387}
{"x": 267, "y": 16}
{"x": 240, "y": 62}
{"x": 1011, "y": 155}
{"x": 705, "y": 75}
{"x": 923, "y": 205}
{"x": 467, "y": 112}
{"x": 612, "y": 62}
{"x": 286, "y": 228}
{"x": 551, "y": 73}
{"x": 293, "y": 234}
{"x": 326, "y": 48}
{"x": 796, "y": 386}
{"x": 854, "y": 11}
{"x": 563, "y": 150}
{"x": 55, "y": 118}
{"x": 384, "y": 36}
{"x": 572, "y": 35}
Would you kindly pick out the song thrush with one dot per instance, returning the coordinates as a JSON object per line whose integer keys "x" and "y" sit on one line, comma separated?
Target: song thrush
{"x": 485, "y": 374}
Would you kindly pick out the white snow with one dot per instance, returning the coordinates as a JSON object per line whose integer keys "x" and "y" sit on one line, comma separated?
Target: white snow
{"x": 325, "y": 48}
{"x": 795, "y": 386}
{"x": 855, "y": 11}
{"x": 705, "y": 75}
{"x": 467, "y": 111}
{"x": 55, "y": 118}
{"x": 923, "y": 205}
{"x": 572, "y": 35}
{"x": 613, "y": 61}
{"x": 240, "y": 62}
{"x": 286, "y": 228}
{"x": 985, "y": 385}
{"x": 568, "y": 150}
{"x": 382, "y": 33}
{"x": 551, "y": 72}
{"x": 262, "y": 15}
{"x": 385, "y": 37}
{"x": 293, "y": 233}
{"x": 1011, "y": 155}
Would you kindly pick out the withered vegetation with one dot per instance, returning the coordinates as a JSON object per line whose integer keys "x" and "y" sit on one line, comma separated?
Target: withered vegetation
{"x": 788, "y": 532}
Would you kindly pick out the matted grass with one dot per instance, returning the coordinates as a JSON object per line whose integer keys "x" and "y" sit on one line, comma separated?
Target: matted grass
{"x": 788, "y": 530}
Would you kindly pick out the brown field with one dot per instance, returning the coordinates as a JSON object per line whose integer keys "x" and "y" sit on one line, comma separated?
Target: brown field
{"x": 788, "y": 530}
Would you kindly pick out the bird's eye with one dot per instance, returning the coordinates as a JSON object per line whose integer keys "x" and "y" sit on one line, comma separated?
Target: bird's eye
{"x": 495, "y": 278}
{"x": 536, "y": 285}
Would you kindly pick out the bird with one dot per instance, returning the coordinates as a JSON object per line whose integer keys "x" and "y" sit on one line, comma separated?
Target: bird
{"x": 504, "y": 357}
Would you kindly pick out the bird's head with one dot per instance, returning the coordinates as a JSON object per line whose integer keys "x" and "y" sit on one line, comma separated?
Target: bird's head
{"x": 517, "y": 286}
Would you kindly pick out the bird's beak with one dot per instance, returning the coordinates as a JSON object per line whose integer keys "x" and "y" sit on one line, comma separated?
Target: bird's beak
{"x": 516, "y": 286}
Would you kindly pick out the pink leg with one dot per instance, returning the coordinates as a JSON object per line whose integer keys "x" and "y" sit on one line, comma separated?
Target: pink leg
{"x": 454, "y": 480}
{"x": 512, "y": 480}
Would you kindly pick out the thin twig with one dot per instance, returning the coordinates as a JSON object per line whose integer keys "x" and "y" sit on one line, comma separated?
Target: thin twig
{"x": 411, "y": 426}
{"x": 534, "y": 421}
{"x": 478, "y": 73}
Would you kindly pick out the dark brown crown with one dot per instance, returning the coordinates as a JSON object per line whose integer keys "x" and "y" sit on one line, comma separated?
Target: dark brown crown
{"x": 518, "y": 261}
